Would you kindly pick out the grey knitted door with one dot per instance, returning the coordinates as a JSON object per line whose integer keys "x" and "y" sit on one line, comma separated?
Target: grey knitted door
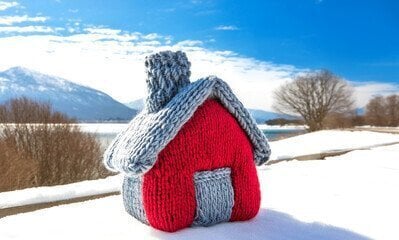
{"x": 214, "y": 195}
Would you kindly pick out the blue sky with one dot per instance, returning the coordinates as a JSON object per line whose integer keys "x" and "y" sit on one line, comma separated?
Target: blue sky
{"x": 358, "y": 40}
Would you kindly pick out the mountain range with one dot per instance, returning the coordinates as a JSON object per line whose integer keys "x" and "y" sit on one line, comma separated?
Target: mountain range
{"x": 80, "y": 102}
{"x": 260, "y": 116}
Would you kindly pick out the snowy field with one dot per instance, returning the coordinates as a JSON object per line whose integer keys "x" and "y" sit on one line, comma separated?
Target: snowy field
{"x": 352, "y": 196}
{"x": 30, "y": 196}
{"x": 328, "y": 141}
{"x": 104, "y": 128}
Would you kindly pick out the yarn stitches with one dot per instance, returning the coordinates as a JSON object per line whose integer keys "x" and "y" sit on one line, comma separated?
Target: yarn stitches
{"x": 135, "y": 149}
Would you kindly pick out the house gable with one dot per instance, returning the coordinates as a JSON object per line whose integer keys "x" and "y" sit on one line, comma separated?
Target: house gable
{"x": 134, "y": 151}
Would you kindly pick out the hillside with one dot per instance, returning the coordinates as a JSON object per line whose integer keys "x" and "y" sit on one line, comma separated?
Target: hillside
{"x": 136, "y": 104}
{"x": 83, "y": 103}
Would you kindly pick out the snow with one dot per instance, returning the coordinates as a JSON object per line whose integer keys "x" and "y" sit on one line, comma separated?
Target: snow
{"x": 57, "y": 193}
{"x": 375, "y": 127}
{"x": 106, "y": 219}
{"x": 356, "y": 191}
{"x": 351, "y": 196}
{"x": 281, "y": 127}
{"x": 378, "y": 128}
{"x": 104, "y": 128}
{"x": 75, "y": 100}
{"x": 328, "y": 141}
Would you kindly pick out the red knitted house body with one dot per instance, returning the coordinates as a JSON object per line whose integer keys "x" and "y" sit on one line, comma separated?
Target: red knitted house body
{"x": 201, "y": 144}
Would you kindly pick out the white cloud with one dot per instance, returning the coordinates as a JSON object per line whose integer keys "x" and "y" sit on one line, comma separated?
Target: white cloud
{"x": 101, "y": 33}
{"x": 226, "y": 28}
{"x": 106, "y": 60}
{"x": 6, "y": 5}
{"x": 72, "y": 29}
{"x": 28, "y": 29}
{"x": 112, "y": 60}
{"x": 366, "y": 90}
{"x": 10, "y": 20}
{"x": 104, "y": 31}
{"x": 151, "y": 36}
{"x": 189, "y": 43}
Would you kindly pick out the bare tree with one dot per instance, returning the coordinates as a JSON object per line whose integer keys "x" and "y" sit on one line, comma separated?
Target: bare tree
{"x": 339, "y": 120}
{"x": 383, "y": 111}
{"x": 314, "y": 96}
{"x": 39, "y": 146}
{"x": 375, "y": 112}
{"x": 392, "y": 110}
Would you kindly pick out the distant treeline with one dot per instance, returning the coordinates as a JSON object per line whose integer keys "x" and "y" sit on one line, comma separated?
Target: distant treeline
{"x": 383, "y": 111}
{"x": 379, "y": 111}
{"x": 284, "y": 121}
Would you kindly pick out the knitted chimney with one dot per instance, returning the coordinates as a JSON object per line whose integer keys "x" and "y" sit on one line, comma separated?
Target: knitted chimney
{"x": 167, "y": 72}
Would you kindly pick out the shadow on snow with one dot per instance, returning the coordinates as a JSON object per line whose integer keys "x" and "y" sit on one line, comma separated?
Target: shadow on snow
{"x": 269, "y": 224}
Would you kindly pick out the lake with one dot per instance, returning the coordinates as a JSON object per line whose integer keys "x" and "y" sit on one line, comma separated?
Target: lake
{"x": 277, "y": 134}
{"x": 106, "y": 132}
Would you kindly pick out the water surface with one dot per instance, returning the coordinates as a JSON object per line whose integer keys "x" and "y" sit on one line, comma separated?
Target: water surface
{"x": 271, "y": 134}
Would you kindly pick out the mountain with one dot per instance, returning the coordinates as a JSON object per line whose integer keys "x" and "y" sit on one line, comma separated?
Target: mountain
{"x": 83, "y": 103}
{"x": 261, "y": 116}
{"x": 136, "y": 104}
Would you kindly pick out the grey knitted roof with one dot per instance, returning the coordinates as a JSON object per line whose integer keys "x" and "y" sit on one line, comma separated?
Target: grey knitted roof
{"x": 171, "y": 102}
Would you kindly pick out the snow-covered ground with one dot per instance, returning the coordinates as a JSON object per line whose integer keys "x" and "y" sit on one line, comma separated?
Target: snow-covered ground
{"x": 352, "y": 196}
{"x": 57, "y": 193}
{"x": 282, "y": 128}
{"x": 328, "y": 141}
{"x": 376, "y": 127}
{"x": 104, "y": 128}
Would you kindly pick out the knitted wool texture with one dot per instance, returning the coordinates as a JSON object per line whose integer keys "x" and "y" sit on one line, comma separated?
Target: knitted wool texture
{"x": 134, "y": 151}
{"x": 189, "y": 157}
{"x": 202, "y": 144}
{"x": 214, "y": 195}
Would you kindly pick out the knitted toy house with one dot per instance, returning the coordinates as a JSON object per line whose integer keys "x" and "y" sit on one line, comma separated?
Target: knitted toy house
{"x": 189, "y": 157}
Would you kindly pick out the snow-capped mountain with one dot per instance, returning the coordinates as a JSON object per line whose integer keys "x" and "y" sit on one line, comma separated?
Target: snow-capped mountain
{"x": 75, "y": 100}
